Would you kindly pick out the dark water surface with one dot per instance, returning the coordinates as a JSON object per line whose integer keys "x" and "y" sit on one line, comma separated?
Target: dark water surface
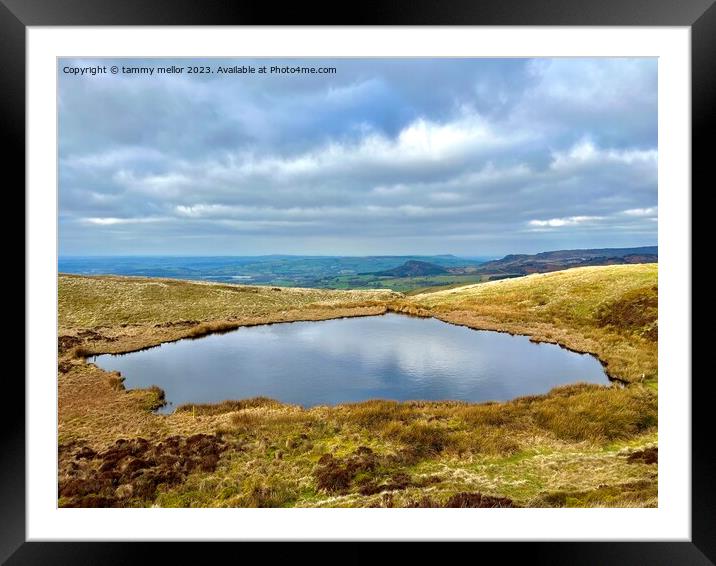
{"x": 323, "y": 363}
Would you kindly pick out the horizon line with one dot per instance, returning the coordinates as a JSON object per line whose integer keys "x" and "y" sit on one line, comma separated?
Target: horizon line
{"x": 59, "y": 256}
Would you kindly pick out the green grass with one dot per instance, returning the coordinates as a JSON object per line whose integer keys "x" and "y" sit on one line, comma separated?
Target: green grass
{"x": 353, "y": 455}
{"x": 610, "y": 311}
{"x": 579, "y": 297}
{"x": 400, "y": 284}
{"x": 88, "y": 302}
{"x": 567, "y": 448}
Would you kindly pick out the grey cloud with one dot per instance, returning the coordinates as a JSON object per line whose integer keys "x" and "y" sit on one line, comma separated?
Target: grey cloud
{"x": 387, "y": 156}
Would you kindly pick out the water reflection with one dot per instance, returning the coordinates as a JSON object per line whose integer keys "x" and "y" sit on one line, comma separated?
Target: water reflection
{"x": 335, "y": 361}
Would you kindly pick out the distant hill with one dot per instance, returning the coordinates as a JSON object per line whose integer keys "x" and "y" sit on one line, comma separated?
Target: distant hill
{"x": 412, "y": 268}
{"x": 523, "y": 264}
{"x": 399, "y": 273}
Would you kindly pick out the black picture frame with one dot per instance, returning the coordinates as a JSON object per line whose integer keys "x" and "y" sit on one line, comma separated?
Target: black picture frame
{"x": 699, "y": 15}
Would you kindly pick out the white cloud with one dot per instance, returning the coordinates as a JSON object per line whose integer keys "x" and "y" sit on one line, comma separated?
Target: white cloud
{"x": 650, "y": 211}
{"x": 586, "y": 153}
{"x": 163, "y": 185}
{"x": 110, "y": 221}
{"x": 560, "y": 222}
{"x": 114, "y": 157}
{"x": 419, "y": 142}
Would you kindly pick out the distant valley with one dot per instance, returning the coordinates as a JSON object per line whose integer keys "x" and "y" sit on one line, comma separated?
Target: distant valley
{"x": 424, "y": 274}
{"x": 399, "y": 273}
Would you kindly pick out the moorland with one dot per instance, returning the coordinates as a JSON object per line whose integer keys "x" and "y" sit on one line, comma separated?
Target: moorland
{"x": 577, "y": 446}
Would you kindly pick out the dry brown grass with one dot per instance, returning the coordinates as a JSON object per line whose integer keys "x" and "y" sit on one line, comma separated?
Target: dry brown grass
{"x": 107, "y": 301}
{"x": 609, "y": 311}
{"x": 123, "y": 314}
{"x": 580, "y": 445}
{"x": 227, "y": 406}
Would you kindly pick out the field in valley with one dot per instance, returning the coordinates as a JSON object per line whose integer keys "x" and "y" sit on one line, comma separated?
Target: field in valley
{"x": 579, "y": 445}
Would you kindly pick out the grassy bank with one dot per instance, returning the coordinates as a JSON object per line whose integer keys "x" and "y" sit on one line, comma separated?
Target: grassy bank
{"x": 609, "y": 311}
{"x": 580, "y": 445}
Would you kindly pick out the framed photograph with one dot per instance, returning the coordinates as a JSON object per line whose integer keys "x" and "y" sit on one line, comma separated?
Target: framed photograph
{"x": 424, "y": 278}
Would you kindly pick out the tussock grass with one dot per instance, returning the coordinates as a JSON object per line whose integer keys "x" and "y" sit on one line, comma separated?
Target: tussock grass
{"x": 574, "y": 413}
{"x": 422, "y": 439}
{"x": 274, "y": 491}
{"x": 227, "y": 406}
{"x": 628, "y": 494}
{"x": 597, "y": 414}
{"x": 579, "y": 445}
{"x": 325, "y": 456}
{"x": 116, "y": 381}
{"x": 155, "y": 398}
{"x": 374, "y": 415}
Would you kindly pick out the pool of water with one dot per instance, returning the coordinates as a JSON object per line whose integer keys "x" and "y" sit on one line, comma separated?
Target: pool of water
{"x": 353, "y": 359}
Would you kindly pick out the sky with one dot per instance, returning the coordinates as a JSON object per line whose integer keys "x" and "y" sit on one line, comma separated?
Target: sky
{"x": 472, "y": 157}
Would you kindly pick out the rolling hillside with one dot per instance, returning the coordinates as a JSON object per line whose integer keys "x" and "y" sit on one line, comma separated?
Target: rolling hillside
{"x": 610, "y": 311}
{"x": 577, "y": 446}
{"x": 411, "y": 268}
{"x": 563, "y": 259}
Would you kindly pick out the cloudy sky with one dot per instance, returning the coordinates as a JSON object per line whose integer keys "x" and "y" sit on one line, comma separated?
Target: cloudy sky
{"x": 386, "y": 156}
